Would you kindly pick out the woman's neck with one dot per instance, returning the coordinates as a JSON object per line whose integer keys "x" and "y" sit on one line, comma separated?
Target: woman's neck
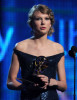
{"x": 41, "y": 40}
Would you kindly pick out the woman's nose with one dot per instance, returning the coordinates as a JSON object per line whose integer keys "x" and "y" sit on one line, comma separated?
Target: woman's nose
{"x": 42, "y": 22}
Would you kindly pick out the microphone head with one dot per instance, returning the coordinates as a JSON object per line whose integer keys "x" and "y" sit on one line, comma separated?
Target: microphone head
{"x": 72, "y": 54}
{"x": 74, "y": 49}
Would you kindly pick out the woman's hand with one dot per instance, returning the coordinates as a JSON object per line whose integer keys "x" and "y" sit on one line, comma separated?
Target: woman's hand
{"x": 47, "y": 81}
{"x": 44, "y": 79}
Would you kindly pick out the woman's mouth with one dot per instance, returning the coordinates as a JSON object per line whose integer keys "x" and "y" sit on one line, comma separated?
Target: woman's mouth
{"x": 43, "y": 28}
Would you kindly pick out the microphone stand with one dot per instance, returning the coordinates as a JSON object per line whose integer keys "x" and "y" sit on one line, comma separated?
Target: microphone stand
{"x": 74, "y": 74}
{"x": 72, "y": 53}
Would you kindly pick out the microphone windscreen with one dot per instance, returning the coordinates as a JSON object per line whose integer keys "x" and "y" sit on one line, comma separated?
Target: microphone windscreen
{"x": 71, "y": 53}
{"x": 74, "y": 49}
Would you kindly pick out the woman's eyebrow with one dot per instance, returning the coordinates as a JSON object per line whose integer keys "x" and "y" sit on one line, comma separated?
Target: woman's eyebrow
{"x": 41, "y": 16}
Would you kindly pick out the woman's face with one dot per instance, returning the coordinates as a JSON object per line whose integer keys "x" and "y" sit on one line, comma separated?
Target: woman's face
{"x": 41, "y": 23}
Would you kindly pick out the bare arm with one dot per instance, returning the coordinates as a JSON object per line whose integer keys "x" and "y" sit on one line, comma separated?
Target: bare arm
{"x": 12, "y": 83}
{"x": 61, "y": 82}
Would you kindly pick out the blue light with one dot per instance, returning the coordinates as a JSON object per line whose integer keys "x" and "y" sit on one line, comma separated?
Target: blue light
{"x": 61, "y": 32}
{"x": 71, "y": 34}
{"x": 4, "y": 44}
{"x": 66, "y": 53}
{"x": 51, "y": 38}
{"x": 76, "y": 54}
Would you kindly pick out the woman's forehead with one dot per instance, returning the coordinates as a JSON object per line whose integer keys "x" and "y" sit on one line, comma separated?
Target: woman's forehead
{"x": 39, "y": 14}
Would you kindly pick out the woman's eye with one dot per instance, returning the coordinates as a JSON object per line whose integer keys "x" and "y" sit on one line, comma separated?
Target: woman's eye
{"x": 47, "y": 18}
{"x": 41, "y": 18}
{"x": 37, "y": 18}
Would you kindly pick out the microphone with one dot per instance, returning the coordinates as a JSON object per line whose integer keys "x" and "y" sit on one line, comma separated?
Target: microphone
{"x": 73, "y": 51}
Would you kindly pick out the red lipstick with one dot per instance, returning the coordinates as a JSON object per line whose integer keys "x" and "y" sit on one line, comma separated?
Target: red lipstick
{"x": 43, "y": 28}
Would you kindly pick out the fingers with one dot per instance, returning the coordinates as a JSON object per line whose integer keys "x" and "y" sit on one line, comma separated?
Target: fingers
{"x": 44, "y": 87}
{"x": 43, "y": 78}
{"x": 36, "y": 85}
{"x": 41, "y": 75}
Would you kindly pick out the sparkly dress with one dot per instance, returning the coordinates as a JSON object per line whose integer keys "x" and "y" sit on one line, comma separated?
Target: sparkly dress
{"x": 30, "y": 92}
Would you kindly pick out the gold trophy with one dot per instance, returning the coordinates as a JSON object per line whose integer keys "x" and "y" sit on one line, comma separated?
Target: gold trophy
{"x": 40, "y": 64}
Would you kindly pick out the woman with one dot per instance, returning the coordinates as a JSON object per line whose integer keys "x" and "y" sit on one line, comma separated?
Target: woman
{"x": 39, "y": 59}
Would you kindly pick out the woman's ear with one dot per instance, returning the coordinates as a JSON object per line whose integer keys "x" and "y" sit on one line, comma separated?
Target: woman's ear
{"x": 50, "y": 25}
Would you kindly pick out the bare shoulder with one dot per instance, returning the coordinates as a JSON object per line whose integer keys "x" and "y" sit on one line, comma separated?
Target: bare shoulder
{"x": 59, "y": 47}
{"x": 22, "y": 45}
